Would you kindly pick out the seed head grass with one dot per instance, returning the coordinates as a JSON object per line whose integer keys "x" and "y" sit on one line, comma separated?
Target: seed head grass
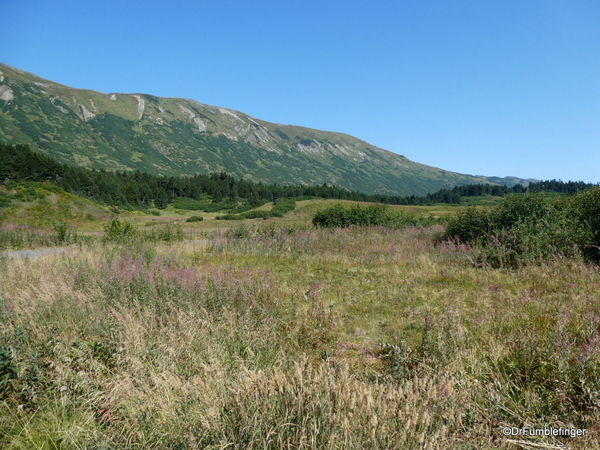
{"x": 270, "y": 338}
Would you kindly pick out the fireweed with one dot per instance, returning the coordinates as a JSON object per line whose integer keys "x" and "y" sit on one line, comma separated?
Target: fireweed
{"x": 355, "y": 338}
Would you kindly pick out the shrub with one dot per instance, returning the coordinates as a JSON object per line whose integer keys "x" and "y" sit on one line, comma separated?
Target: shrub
{"x": 283, "y": 205}
{"x": 249, "y": 215}
{"x": 470, "y": 224}
{"x": 230, "y": 217}
{"x": 529, "y": 228}
{"x": 166, "y": 234}
{"x": 195, "y": 219}
{"x": 115, "y": 230}
{"x": 63, "y": 234}
{"x": 585, "y": 207}
{"x": 240, "y": 232}
{"x": 342, "y": 216}
{"x": 189, "y": 204}
{"x": 8, "y": 372}
{"x": 4, "y": 200}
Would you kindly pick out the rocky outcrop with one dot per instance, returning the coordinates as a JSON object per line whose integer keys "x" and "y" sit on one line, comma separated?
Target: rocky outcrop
{"x": 197, "y": 120}
{"x": 201, "y": 125}
{"x": 6, "y": 93}
{"x": 85, "y": 114}
{"x": 141, "y": 106}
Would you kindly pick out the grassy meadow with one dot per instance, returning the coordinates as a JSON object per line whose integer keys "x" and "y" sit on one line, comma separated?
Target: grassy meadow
{"x": 273, "y": 334}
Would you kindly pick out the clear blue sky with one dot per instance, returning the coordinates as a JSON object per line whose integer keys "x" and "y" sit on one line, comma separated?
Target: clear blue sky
{"x": 481, "y": 87}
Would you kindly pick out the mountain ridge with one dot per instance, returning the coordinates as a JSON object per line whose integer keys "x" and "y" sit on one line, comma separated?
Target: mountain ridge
{"x": 179, "y": 136}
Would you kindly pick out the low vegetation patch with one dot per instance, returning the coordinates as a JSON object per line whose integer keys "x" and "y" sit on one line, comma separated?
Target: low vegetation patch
{"x": 342, "y": 216}
{"x": 207, "y": 205}
{"x": 22, "y": 237}
{"x": 125, "y": 232}
{"x": 18, "y": 237}
{"x": 280, "y": 207}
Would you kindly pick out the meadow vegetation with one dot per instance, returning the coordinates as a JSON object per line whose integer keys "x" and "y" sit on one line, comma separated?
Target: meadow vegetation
{"x": 280, "y": 207}
{"x": 344, "y": 215}
{"x": 282, "y": 334}
{"x": 531, "y": 228}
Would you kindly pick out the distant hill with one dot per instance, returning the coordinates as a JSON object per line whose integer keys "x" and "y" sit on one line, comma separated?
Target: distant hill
{"x": 174, "y": 136}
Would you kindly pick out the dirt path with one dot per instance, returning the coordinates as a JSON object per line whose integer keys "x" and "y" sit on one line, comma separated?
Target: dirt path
{"x": 24, "y": 254}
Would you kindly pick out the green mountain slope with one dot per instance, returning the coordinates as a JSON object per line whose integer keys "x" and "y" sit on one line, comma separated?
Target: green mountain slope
{"x": 180, "y": 136}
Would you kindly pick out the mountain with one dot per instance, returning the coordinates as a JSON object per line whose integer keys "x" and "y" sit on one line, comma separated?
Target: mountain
{"x": 175, "y": 136}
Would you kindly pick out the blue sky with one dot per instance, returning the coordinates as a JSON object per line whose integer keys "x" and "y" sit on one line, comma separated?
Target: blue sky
{"x": 479, "y": 87}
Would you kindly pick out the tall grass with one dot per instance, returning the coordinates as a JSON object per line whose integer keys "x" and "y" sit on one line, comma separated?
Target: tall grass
{"x": 17, "y": 237}
{"x": 295, "y": 338}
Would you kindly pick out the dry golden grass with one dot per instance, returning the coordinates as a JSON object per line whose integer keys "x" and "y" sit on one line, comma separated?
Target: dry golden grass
{"x": 344, "y": 339}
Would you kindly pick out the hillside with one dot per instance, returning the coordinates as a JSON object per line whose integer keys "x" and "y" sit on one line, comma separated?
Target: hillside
{"x": 170, "y": 136}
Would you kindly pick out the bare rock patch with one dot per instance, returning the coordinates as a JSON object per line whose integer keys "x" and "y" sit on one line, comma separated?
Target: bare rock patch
{"x": 6, "y": 93}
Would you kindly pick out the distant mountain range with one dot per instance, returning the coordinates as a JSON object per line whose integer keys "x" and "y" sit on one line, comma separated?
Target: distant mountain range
{"x": 175, "y": 136}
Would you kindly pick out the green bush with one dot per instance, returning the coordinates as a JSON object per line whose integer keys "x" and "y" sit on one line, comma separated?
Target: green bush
{"x": 585, "y": 208}
{"x": 8, "y": 372}
{"x": 470, "y": 224}
{"x": 341, "y": 216}
{"x": 115, "y": 230}
{"x": 260, "y": 215}
{"x": 249, "y": 215}
{"x": 195, "y": 219}
{"x": 4, "y": 200}
{"x": 189, "y": 204}
{"x": 283, "y": 205}
{"x": 530, "y": 228}
{"x": 165, "y": 234}
{"x": 240, "y": 232}
{"x": 63, "y": 234}
{"x": 230, "y": 217}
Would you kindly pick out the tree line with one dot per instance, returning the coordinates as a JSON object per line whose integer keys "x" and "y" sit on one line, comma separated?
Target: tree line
{"x": 139, "y": 190}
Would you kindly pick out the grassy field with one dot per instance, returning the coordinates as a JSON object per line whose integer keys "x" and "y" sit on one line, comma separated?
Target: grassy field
{"x": 270, "y": 334}
{"x": 30, "y": 222}
{"x": 283, "y": 336}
